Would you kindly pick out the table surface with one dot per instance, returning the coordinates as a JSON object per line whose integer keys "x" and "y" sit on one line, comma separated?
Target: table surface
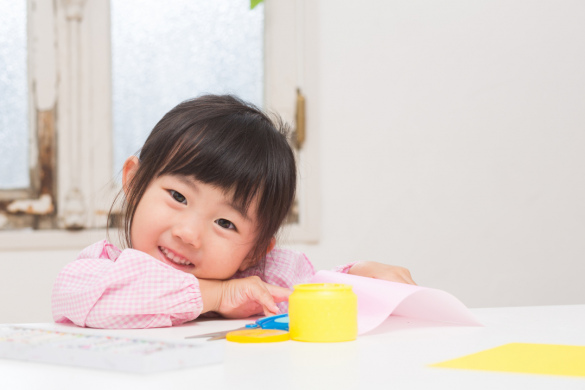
{"x": 394, "y": 355}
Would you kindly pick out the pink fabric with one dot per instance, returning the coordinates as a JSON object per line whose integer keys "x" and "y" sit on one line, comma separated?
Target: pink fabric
{"x": 109, "y": 288}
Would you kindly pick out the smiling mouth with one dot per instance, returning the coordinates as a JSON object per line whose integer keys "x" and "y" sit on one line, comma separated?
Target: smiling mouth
{"x": 174, "y": 258}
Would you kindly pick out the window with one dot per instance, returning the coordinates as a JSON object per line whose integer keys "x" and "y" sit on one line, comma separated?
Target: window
{"x": 27, "y": 117}
{"x": 72, "y": 92}
{"x": 172, "y": 51}
{"x": 13, "y": 97}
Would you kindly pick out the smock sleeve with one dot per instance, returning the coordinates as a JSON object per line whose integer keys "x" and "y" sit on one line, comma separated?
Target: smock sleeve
{"x": 282, "y": 267}
{"x": 109, "y": 288}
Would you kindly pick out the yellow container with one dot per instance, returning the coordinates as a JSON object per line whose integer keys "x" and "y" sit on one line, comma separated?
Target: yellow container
{"x": 325, "y": 312}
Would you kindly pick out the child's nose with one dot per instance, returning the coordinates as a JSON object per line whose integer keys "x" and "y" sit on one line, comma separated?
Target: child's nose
{"x": 189, "y": 232}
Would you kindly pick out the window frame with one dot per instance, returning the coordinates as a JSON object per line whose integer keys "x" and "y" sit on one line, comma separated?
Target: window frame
{"x": 33, "y": 206}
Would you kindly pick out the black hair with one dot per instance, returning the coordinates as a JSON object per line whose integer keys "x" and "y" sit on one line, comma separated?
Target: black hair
{"x": 230, "y": 144}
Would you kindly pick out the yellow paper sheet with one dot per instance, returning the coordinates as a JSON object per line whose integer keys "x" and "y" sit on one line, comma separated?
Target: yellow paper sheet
{"x": 525, "y": 358}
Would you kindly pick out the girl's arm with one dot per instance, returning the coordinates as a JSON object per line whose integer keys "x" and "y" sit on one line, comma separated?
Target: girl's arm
{"x": 241, "y": 298}
{"x": 282, "y": 269}
{"x": 106, "y": 288}
{"x": 287, "y": 267}
{"x": 372, "y": 269}
{"x": 134, "y": 291}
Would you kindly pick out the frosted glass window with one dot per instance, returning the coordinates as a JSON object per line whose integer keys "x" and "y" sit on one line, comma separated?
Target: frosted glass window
{"x": 164, "y": 52}
{"x": 13, "y": 96}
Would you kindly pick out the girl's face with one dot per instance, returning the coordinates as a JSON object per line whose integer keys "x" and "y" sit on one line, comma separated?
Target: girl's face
{"x": 192, "y": 226}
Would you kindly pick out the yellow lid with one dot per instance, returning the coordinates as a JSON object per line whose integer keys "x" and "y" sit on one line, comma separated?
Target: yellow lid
{"x": 257, "y": 336}
{"x": 322, "y": 287}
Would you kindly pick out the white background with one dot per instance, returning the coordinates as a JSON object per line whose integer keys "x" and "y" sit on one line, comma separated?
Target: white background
{"x": 452, "y": 141}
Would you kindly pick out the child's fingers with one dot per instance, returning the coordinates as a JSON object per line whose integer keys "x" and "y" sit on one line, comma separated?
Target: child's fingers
{"x": 399, "y": 274}
{"x": 375, "y": 270}
{"x": 405, "y": 274}
{"x": 263, "y": 296}
{"x": 270, "y": 294}
{"x": 268, "y": 312}
{"x": 280, "y": 294}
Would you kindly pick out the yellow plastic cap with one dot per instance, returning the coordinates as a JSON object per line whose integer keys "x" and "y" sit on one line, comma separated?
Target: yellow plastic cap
{"x": 257, "y": 336}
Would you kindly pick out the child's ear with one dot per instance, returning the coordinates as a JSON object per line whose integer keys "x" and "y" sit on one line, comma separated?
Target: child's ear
{"x": 130, "y": 167}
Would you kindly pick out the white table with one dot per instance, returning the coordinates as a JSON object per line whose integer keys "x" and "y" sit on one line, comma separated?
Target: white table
{"x": 393, "y": 356}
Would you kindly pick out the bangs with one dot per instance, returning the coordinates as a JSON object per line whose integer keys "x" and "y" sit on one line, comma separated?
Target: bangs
{"x": 227, "y": 153}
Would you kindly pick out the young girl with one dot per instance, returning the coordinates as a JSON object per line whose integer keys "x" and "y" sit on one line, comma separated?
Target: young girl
{"x": 203, "y": 203}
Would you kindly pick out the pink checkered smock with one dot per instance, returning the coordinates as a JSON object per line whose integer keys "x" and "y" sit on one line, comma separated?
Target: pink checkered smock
{"x": 110, "y": 288}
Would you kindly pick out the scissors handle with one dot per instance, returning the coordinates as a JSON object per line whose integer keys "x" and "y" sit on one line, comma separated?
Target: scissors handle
{"x": 279, "y": 321}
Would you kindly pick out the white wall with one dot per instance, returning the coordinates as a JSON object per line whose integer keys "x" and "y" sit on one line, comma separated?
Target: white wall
{"x": 27, "y": 280}
{"x": 452, "y": 141}
{"x": 26, "y": 276}
{"x": 452, "y": 138}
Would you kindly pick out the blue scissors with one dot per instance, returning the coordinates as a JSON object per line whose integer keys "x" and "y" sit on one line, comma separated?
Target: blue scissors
{"x": 279, "y": 321}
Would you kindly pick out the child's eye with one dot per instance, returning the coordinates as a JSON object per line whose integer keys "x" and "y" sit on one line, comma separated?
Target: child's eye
{"x": 224, "y": 223}
{"x": 178, "y": 196}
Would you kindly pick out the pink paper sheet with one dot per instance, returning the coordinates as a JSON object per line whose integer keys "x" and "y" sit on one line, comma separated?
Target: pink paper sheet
{"x": 378, "y": 299}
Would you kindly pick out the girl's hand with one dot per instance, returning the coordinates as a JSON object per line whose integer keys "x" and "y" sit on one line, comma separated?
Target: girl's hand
{"x": 241, "y": 298}
{"x": 375, "y": 270}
